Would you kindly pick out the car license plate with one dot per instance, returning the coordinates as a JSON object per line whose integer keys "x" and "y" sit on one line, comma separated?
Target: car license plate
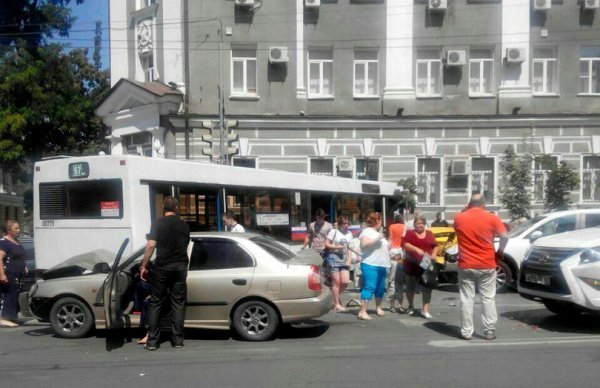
{"x": 537, "y": 279}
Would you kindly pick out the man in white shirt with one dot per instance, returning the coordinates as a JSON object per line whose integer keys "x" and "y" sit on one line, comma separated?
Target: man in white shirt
{"x": 229, "y": 220}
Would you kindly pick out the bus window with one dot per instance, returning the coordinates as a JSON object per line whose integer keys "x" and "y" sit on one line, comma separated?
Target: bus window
{"x": 82, "y": 199}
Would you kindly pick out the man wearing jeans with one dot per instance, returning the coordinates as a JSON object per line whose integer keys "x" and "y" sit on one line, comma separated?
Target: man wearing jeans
{"x": 476, "y": 229}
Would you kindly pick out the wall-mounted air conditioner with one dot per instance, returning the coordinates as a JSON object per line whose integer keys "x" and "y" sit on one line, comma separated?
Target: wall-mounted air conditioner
{"x": 515, "y": 54}
{"x": 437, "y": 5}
{"x": 456, "y": 57}
{"x": 312, "y": 3}
{"x": 278, "y": 55}
{"x": 591, "y": 4}
{"x": 345, "y": 164}
{"x": 459, "y": 167}
{"x": 244, "y": 3}
{"x": 542, "y": 5}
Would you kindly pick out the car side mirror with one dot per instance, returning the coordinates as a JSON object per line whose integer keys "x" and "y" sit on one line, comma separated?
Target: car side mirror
{"x": 535, "y": 235}
{"x": 101, "y": 268}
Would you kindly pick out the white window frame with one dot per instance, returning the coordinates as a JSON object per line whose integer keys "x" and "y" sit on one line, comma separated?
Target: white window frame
{"x": 481, "y": 175}
{"x": 432, "y": 178}
{"x": 324, "y": 173}
{"x": 367, "y": 63}
{"x": 245, "y": 78}
{"x": 147, "y": 63}
{"x": 481, "y": 62}
{"x": 546, "y": 76}
{"x": 590, "y": 63}
{"x": 429, "y": 62}
{"x": 589, "y": 176}
{"x": 321, "y": 63}
{"x": 544, "y": 176}
{"x": 363, "y": 174}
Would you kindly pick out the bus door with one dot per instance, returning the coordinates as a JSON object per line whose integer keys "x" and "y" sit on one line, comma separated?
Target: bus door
{"x": 200, "y": 208}
{"x": 325, "y": 202}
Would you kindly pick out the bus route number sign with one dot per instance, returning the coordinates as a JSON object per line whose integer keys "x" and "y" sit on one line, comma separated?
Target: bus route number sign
{"x": 79, "y": 170}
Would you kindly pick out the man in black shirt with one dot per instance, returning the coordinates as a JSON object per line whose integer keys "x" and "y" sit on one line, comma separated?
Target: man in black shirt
{"x": 170, "y": 236}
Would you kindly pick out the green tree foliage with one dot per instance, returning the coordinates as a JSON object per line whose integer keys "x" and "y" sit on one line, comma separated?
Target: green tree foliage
{"x": 562, "y": 179}
{"x": 406, "y": 195}
{"x": 514, "y": 193}
{"x": 47, "y": 95}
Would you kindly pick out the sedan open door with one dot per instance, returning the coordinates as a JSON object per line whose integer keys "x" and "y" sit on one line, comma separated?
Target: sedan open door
{"x": 112, "y": 293}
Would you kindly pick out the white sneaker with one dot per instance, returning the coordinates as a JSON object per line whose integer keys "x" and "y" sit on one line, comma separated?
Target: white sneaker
{"x": 427, "y": 316}
{"x": 6, "y": 323}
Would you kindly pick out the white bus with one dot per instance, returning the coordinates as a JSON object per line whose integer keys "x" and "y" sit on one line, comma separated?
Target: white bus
{"x": 87, "y": 203}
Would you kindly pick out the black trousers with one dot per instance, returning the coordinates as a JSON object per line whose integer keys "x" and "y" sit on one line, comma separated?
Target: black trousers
{"x": 167, "y": 281}
{"x": 9, "y": 296}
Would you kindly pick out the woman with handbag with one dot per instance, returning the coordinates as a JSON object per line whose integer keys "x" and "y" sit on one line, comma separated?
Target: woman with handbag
{"x": 374, "y": 265}
{"x": 418, "y": 243}
{"x": 338, "y": 259}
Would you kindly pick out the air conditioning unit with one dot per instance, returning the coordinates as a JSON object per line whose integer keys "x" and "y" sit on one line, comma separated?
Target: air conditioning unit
{"x": 244, "y": 3}
{"x": 459, "y": 167}
{"x": 456, "y": 57}
{"x": 515, "y": 54}
{"x": 312, "y": 3}
{"x": 345, "y": 164}
{"x": 437, "y": 5}
{"x": 278, "y": 55}
{"x": 591, "y": 4}
{"x": 542, "y": 5}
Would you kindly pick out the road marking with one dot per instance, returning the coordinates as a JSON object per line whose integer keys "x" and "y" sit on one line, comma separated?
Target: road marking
{"x": 347, "y": 347}
{"x": 541, "y": 341}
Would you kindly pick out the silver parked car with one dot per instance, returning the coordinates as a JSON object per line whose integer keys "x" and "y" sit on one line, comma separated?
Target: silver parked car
{"x": 245, "y": 282}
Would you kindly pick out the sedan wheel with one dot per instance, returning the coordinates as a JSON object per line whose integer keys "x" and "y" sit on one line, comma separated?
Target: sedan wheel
{"x": 255, "y": 321}
{"x": 71, "y": 318}
{"x": 503, "y": 277}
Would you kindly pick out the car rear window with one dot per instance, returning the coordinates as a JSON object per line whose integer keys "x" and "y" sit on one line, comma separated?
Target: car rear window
{"x": 274, "y": 248}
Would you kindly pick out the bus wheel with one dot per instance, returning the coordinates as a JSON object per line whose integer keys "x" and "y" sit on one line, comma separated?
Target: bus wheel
{"x": 71, "y": 318}
{"x": 255, "y": 321}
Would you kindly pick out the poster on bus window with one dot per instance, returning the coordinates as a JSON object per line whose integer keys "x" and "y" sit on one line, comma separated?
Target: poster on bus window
{"x": 109, "y": 209}
{"x": 270, "y": 219}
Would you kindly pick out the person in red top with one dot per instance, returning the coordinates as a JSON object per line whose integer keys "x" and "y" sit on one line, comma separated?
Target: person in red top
{"x": 476, "y": 228}
{"x": 395, "y": 278}
{"x": 417, "y": 243}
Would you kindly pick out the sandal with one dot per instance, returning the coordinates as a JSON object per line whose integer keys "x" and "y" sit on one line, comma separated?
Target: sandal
{"x": 142, "y": 341}
{"x": 340, "y": 309}
{"x": 364, "y": 317}
{"x": 380, "y": 312}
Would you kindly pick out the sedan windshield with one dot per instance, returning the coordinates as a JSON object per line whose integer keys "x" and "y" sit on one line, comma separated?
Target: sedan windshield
{"x": 274, "y": 248}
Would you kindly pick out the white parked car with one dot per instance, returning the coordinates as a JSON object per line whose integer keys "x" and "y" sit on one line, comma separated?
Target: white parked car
{"x": 547, "y": 224}
{"x": 563, "y": 272}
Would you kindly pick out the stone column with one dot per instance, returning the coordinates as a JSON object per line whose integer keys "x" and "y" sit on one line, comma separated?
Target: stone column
{"x": 300, "y": 81}
{"x": 515, "y": 34}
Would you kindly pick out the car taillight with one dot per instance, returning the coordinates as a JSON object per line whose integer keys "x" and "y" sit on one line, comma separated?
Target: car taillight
{"x": 314, "y": 278}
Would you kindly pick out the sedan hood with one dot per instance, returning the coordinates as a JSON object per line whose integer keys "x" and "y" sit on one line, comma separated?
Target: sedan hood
{"x": 80, "y": 264}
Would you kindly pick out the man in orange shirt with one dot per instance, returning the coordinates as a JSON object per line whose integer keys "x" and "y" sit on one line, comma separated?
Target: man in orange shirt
{"x": 476, "y": 229}
{"x": 395, "y": 278}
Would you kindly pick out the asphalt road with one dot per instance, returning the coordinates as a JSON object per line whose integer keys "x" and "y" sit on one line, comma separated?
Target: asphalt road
{"x": 534, "y": 348}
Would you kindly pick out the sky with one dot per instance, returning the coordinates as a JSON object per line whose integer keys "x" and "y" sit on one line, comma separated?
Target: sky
{"x": 82, "y": 32}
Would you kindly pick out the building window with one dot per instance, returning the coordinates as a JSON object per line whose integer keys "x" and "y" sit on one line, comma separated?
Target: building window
{"x": 591, "y": 179}
{"x": 244, "y": 162}
{"x": 428, "y": 181}
{"x": 147, "y": 62}
{"x": 482, "y": 178}
{"x": 365, "y": 73}
{"x": 481, "y": 72}
{"x": 243, "y": 72}
{"x": 544, "y": 71}
{"x": 429, "y": 73}
{"x": 138, "y": 144}
{"x": 321, "y": 167}
{"x": 367, "y": 169}
{"x": 320, "y": 73}
{"x": 589, "y": 76}
{"x": 542, "y": 165}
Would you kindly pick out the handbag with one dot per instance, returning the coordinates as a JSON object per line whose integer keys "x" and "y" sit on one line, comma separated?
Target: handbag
{"x": 430, "y": 278}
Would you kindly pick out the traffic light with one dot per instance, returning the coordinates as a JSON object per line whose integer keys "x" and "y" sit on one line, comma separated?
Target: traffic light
{"x": 232, "y": 149}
